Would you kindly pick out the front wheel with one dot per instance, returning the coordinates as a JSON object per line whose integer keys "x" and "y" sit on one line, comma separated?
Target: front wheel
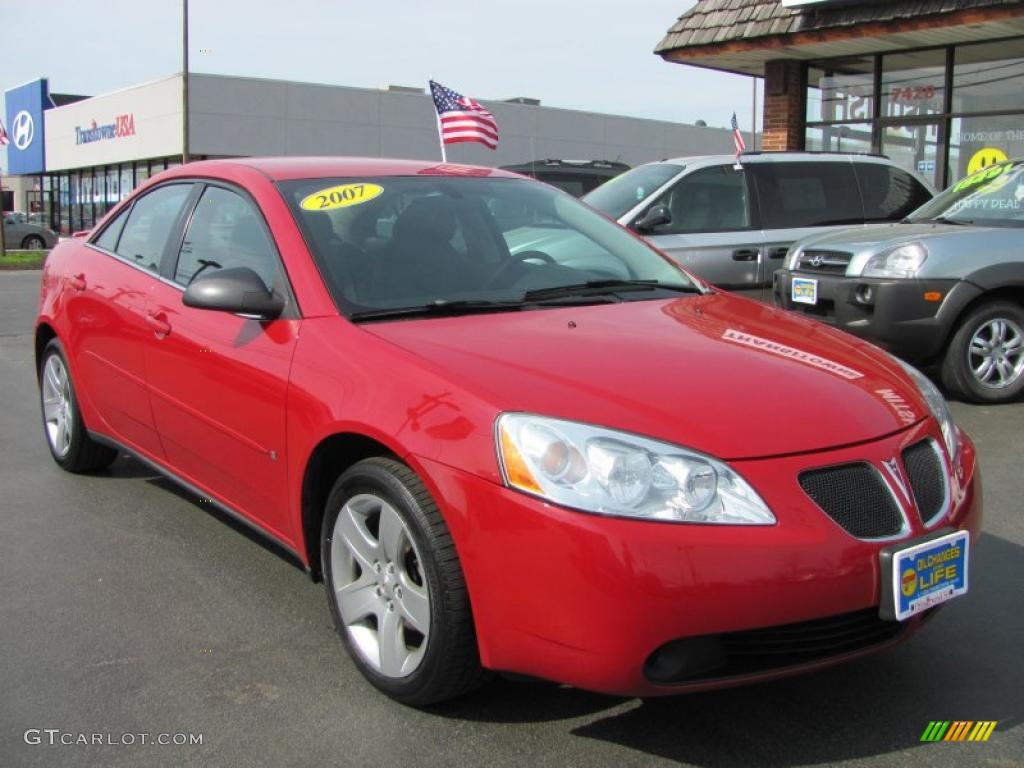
{"x": 985, "y": 359}
{"x": 33, "y": 243}
{"x": 69, "y": 442}
{"x": 395, "y": 585}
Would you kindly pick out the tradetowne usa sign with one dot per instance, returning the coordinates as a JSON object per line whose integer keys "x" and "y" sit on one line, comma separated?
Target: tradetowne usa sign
{"x": 123, "y": 125}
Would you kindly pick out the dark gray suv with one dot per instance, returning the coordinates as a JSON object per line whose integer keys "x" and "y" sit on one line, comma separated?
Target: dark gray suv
{"x": 733, "y": 223}
{"x": 946, "y": 286}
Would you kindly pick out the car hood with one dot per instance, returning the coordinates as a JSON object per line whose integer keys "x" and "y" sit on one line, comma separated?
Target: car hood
{"x": 877, "y": 237}
{"x": 727, "y": 376}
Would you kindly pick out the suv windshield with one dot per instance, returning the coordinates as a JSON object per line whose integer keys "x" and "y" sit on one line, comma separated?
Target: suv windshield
{"x": 393, "y": 246}
{"x": 618, "y": 195}
{"x": 991, "y": 197}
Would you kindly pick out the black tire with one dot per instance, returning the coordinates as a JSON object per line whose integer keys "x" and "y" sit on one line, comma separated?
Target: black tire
{"x": 82, "y": 453}
{"x": 33, "y": 243}
{"x": 450, "y": 664}
{"x": 957, "y": 373}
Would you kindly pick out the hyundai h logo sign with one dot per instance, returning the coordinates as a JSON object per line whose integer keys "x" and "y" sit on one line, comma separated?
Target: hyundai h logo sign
{"x": 23, "y": 130}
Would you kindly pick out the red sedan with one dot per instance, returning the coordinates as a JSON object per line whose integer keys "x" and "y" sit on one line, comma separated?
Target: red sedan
{"x": 506, "y": 433}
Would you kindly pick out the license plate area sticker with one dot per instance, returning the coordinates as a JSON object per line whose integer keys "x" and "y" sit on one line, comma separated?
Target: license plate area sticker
{"x": 805, "y": 290}
{"x": 927, "y": 574}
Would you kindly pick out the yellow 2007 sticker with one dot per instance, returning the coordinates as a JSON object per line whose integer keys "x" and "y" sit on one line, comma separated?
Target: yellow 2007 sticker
{"x": 341, "y": 196}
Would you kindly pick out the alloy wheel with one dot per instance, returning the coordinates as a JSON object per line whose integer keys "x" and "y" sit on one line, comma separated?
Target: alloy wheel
{"x": 379, "y": 587}
{"x": 995, "y": 354}
{"x": 57, "y": 405}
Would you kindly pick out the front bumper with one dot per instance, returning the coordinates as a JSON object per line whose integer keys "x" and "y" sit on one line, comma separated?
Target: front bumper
{"x": 586, "y": 600}
{"x": 894, "y": 314}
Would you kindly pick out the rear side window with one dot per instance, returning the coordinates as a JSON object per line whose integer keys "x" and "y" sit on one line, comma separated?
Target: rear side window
{"x": 225, "y": 232}
{"x": 150, "y": 222}
{"x": 794, "y": 195}
{"x": 889, "y": 193}
{"x": 108, "y": 240}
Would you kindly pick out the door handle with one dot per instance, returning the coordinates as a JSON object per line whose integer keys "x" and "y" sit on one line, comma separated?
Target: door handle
{"x": 160, "y": 326}
{"x": 745, "y": 254}
{"x": 77, "y": 281}
{"x": 778, "y": 252}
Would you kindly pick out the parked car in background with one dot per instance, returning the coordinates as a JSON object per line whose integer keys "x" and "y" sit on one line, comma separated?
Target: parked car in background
{"x": 946, "y": 286}
{"x": 577, "y": 177}
{"x": 499, "y": 459}
{"x": 19, "y": 232}
{"x": 732, "y": 224}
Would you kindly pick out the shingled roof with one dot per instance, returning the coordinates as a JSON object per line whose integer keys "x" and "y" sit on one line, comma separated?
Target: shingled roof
{"x": 714, "y": 27}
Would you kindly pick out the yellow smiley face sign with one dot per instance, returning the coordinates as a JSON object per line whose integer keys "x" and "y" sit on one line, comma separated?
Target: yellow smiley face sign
{"x": 341, "y": 196}
{"x": 983, "y": 158}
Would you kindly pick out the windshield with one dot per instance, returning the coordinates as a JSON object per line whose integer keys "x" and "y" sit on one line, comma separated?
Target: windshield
{"x": 466, "y": 244}
{"x": 991, "y": 197}
{"x": 617, "y": 196}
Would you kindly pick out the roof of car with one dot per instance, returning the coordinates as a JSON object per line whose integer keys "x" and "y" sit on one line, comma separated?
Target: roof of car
{"x": 285, "y": 168}
{"x": 776, "y": 157}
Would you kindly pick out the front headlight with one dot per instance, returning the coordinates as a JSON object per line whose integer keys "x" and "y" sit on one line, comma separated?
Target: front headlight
{"x": 937, "y": 405}
{"x": 614, "y": 473}
{"x": 901, "y": 262}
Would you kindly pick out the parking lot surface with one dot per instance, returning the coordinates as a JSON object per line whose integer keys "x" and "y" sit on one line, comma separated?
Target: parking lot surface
{"x": 127, "y": 607}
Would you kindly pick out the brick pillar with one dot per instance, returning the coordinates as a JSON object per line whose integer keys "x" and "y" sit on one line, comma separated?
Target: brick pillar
{"x": 783, "y": 106}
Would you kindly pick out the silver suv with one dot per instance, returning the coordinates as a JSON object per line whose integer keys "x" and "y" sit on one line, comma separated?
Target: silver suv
{"x": 946, "y": 286}
{"x": 733, "y": 223}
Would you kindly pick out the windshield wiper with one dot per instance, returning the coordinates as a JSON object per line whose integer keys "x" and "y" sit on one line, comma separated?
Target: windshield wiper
{"x": 598, "y": 287}
{"x": 958, "y": 222}
{"x": 438, "y": 307}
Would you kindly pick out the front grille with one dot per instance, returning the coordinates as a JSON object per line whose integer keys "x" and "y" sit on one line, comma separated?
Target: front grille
{"x": 753, "y": 651}
{"x": 856, "y": 497}
{"x": 927, "y": 478}
{"x": 828, "y": 262}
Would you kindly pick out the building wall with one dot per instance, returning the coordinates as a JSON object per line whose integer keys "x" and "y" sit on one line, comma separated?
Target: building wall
{"x": 247, "y": 116}
{"x": 153, "y": 130}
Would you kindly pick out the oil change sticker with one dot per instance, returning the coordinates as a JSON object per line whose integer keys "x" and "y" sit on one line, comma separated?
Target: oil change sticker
{"x": 341, "y": 196}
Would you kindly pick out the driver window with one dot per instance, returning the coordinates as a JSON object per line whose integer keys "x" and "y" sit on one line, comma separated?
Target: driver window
{"x": 709, "y": 200}
{"x": 226, "y": 231}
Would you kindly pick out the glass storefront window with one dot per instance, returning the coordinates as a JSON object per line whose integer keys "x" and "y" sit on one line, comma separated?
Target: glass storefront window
{"x": 915, "y": 146}
{"x": 977, "y": 142}
{"x": 841, "y": 90}
{"x": 913, "y": 84}
{"x": 852, "y": 137}
{"x": 989, "y": 77}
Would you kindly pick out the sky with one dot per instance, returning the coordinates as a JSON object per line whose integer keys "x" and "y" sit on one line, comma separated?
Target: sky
{"x": 593, "y": 55}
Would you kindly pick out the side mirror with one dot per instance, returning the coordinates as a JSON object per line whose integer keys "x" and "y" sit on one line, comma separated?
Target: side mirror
{"x": 238, "y": 290}
{"x": 655, "y": 216}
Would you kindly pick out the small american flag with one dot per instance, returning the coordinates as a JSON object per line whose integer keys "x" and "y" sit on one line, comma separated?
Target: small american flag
{"x": 3, "y": 135}
{"x": 463, "y": 119}
{"x": 737, "y": 137}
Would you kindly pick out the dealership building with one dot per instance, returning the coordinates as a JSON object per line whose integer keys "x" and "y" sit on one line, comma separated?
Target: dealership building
{"x": 74, "y": 157}
{"x": 937, "y": 85}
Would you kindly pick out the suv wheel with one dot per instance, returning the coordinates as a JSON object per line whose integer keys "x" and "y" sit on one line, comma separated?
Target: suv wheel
{"x": 395, "y": 586}
{"x": 985, "y": 359}
{"x": 69, "y": 442}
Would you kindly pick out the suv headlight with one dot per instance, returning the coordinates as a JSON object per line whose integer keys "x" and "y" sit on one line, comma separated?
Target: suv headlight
{"x": 901, "y": 262}
{"x": 938, "y": 407}
{"x": 615, "y": 473}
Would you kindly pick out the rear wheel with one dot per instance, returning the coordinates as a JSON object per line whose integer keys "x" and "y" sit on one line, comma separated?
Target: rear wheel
{"x": 70, "y": 444}
{"x": 395, "y": 586}
{"x": 985, "y": 359}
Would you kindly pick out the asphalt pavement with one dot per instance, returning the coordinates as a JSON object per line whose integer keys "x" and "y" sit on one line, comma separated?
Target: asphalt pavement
{"x": 129, "y": 610}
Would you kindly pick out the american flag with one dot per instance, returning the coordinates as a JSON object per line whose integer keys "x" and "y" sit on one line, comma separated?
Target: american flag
{"x": 463, "y": 119}
{"x": 3, "y": 135}
{"x": 737, "y": 137}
